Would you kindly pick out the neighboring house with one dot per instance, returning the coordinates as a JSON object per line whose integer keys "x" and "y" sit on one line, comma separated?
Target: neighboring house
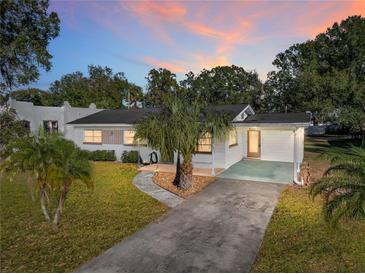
{"x": 52, "y": 119}
{"x": 270, "y": 136}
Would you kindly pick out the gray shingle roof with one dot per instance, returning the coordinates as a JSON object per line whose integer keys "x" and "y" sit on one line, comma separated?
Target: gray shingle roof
{"x": 132, "y": 116}
{"x": 115, "y": 116}
{"x": 290, "y": 117}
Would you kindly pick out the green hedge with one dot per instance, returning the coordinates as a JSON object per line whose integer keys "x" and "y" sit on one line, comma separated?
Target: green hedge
{"x": 130, "y": 156}
{"x": 101, "y": 155}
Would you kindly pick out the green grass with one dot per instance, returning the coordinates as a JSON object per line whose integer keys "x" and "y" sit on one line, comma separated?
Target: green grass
{"x": 297, "y": 238}
{"x": 92, "y": 221}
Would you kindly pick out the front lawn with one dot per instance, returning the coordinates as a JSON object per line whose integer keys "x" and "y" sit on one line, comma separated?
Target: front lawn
{"x": 92, "y": 221}
{"x": 297, "y": 238}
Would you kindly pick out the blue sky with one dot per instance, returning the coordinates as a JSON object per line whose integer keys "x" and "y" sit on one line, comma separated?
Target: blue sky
{"x": 135, "y": 36}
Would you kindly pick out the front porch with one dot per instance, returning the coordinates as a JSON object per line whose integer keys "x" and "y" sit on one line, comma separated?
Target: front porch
{"x": 262, "y": 171}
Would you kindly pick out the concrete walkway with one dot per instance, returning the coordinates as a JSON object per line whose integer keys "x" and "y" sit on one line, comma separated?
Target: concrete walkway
{"x": 217, "y": 230}
{"x": 145, "y": 183}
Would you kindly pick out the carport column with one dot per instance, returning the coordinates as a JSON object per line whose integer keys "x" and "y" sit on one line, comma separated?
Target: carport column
{"x": 296, "y": 168}
{"x": 213, "y": 171}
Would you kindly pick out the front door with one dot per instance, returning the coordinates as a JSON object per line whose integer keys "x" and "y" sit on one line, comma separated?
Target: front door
{"x": 253, "y": 143}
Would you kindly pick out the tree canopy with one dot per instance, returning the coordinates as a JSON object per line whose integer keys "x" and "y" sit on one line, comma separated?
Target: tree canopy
{"x": 37, "y": 96}
{"x": 102, "y": 87}
{"x": 160, "y": 84}
{"x": 224, "y": 85}
{"x": 325, "y": 75}
{"x": 26, "y": 28}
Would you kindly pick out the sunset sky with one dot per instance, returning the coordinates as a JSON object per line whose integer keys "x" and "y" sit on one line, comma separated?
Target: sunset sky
{"x": 133, "y": 37}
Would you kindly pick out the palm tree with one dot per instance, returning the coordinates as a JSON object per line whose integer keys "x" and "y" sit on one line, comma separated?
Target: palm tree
{"x": 55, "y": 164}
{"x": 71, "y": 166}
{"x": 178, "y": 127}
{"x": 343, "y": 185}
{"x": 33, "y": 154}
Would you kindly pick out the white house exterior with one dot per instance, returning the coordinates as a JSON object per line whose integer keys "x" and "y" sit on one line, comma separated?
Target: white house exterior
{"x": 268, "y": 137}
{"x": 54, "y": 118}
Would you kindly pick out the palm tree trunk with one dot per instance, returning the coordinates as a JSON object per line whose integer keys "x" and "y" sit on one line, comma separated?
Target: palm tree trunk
{"x": 30, "y": 186}
{"x": 61, "y": 202}
{"x": 187, "y": 173}
{"x": 43, "y": 205}
{"x": 176, "y": 181}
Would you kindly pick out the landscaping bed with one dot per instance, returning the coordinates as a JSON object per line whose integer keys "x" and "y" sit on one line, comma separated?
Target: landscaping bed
{"x": 298, "y": 239}
{"x": 165, "y": 179}
{"x": 92, "y": 221}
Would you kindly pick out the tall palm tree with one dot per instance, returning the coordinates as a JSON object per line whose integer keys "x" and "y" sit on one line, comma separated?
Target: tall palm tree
{"x": 343, "y": 185}
{"x": 178, "y": 127}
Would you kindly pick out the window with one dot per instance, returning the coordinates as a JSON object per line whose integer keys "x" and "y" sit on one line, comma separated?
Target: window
{"x": 128, "y": 139}
{"x": 204, "y": 144}
{"x": 50, "y": 126}
{"x": 92, "y": 136}
{"x": 26, "y": 125}
{"x": 232, "y": 141}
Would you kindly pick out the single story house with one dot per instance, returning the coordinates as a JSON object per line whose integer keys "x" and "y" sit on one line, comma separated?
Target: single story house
{"x": 274, "y": 137}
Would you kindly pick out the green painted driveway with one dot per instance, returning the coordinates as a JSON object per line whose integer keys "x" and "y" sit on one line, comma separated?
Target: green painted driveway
{"x": 262, "y": 171}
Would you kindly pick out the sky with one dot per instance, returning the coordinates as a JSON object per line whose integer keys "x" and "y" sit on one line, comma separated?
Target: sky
{"x": 136, "y": 36}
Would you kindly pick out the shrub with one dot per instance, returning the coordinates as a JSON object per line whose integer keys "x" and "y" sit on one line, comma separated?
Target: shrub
{"x": 101, "y": 155}
{"x": 130, "y": 156}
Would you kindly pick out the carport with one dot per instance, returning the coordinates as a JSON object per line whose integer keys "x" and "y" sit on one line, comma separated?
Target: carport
{"x": 262, "y": 171}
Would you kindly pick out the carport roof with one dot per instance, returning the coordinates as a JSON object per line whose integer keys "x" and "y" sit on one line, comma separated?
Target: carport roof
{"x": 277, "y": 118}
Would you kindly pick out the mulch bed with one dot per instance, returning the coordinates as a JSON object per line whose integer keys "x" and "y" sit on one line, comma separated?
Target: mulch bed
{"x": 165, "y": 179}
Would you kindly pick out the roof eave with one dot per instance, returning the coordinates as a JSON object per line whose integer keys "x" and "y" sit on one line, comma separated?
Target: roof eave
{"x": 272, "y": 124}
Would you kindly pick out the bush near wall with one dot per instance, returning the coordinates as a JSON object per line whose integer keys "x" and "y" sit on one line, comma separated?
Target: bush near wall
{"x": 130, "y": 156}
{"x": 101, "y": 155}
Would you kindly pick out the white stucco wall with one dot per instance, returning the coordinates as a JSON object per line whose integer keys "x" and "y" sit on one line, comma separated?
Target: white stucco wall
{"x": 236, "y": 153}
{"x": 76, "y": 133}
{"x": 277, "y": 143}
{"x": 206, "y": 160}
{"x": 299, "y": 135}
{"x": 37, "y": 114}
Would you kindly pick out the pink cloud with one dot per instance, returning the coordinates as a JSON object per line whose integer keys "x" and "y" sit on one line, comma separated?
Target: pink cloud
{"x": 321, "y": 15}
{"x": 224, "y": 28}
{"x": 176, "y": 68}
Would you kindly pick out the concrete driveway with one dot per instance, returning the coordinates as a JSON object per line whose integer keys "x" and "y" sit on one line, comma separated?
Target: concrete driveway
{"x": 218, "y": 230}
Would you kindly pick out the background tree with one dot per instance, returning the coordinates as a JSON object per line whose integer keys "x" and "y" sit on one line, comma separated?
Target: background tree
{"x": 26, "y": 28}
{"x": 224, "y": 85}
{"x": 325, "y": 75}
{"x": 160, "y": 84}
{"x": 102, "y": 87}
{"x": 10, "y": 129}
{"x": 343, "y": 185}
{"x": 133, "y": 95}
{"x": 37, "y": 96}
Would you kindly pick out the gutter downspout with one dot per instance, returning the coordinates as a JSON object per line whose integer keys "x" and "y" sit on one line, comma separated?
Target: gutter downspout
{"x": 213, "y": 158}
